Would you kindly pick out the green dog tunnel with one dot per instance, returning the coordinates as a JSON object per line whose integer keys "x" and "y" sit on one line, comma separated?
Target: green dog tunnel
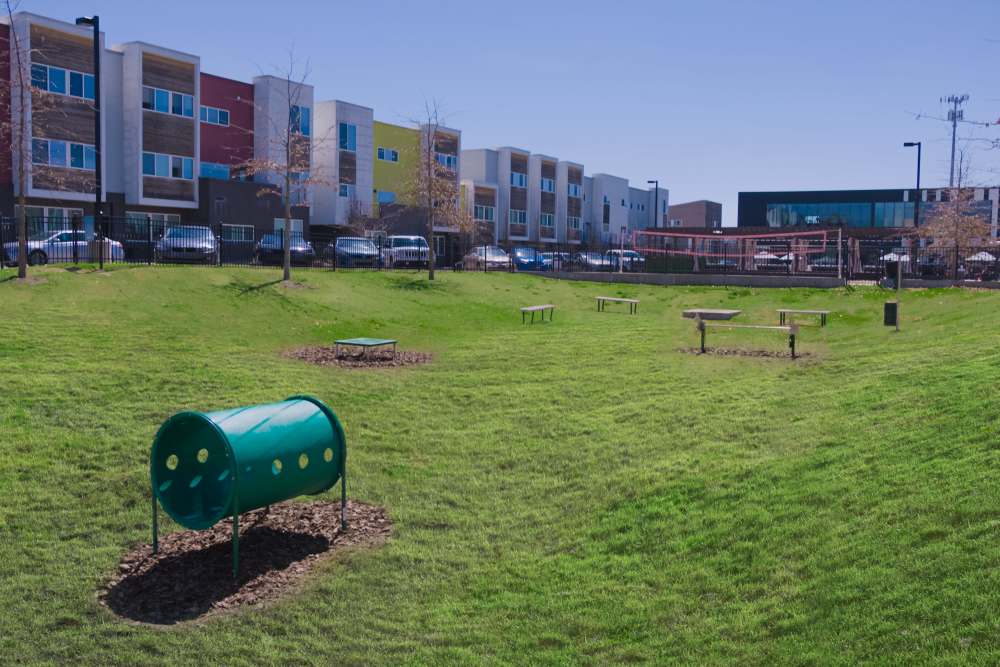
{"x": 205, "y": 467}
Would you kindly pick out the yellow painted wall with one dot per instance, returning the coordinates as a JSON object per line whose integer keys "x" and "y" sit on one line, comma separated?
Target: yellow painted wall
{"x": 394, "y": 176}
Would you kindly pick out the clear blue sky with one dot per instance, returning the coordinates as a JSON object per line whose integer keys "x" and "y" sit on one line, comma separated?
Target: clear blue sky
{"x": 709, "y": 97}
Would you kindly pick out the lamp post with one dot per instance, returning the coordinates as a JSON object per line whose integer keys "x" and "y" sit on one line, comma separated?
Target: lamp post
{"x": 656, "y": 203}
{"x": 916, "y": 203}
{"x": 95, "y": 22}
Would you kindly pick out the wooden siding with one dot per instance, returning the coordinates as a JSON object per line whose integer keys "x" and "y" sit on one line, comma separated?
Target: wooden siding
{"x": 573, "y": 234}
{"x": 154, "y": 187}
{"x": 61, "y": 117}
{"x": 446, "y": 143}
{"x": 547, "y": 232}
{"x": 62, "y": 179}
{"x": 575, "y": 175}
{"x": 548, "y": 202}
{"x": 486, "y": 197}
{"x": 62, "y": 49}
{"x": 573, "y": 206}
{"x": 166, "y": 133}
{"x": 519, "y": 163}
{"x": 548, "y": 170}
{"x": 348, "y": 167}
{"x": 518, "y": 230}
{"x": 519, "y": 198}
{"x": 167, "y": 73}
{"x": 300, "y": 152}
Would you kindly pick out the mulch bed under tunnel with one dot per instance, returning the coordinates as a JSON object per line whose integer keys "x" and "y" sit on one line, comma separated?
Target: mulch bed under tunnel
{"x": 192, "y": 577}
{"x": 327, "y": 356}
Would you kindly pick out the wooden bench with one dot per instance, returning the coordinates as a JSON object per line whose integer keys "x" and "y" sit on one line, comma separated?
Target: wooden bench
{"x": 366, "y": 344}
{"x": 633, "y": 304}
{"x": 791, "y": 330}
{"x": 783, "y": 312}
{"x": 538, "y": 309}
{"x": 710, "y": 314}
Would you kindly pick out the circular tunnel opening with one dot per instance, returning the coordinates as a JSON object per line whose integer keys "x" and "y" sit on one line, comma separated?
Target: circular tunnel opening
{"x": 191, "y": 469}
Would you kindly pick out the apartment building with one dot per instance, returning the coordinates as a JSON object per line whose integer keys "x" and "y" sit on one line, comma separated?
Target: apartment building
{"x": 180, "y": 145}
{"x": 397, "y": 155}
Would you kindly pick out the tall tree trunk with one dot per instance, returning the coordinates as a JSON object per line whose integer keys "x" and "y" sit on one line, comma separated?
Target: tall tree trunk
{"x": 430, "y": 205}
{"x": 286, "y": 235}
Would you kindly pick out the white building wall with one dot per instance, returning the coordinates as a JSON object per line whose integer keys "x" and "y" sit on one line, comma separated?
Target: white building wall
{"x": 616, "y": 190}
{"x": 270, "y": 121}
{"x": 113, "y": 157}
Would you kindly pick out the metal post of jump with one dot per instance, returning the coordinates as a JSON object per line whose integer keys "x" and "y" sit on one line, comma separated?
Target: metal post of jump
{"x": 343, "y": 493}
{"x": 156, "y": 537}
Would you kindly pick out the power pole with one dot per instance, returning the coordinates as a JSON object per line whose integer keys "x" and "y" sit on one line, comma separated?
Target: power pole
{"x": 954, "y": 116}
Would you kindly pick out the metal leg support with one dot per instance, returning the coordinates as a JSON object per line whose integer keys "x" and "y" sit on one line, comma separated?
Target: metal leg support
{"x": 343, "y": 498}
{"x": 156, "y": 528}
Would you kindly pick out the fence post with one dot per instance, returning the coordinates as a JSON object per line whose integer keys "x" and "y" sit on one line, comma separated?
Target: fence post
{"x": 76, "y": 232}
{"x": 149, "y": 240}
{"x": 100, "y": 242}
{"x": 218, "y": 244}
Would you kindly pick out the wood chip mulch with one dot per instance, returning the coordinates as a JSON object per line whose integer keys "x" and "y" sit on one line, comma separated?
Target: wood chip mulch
{"x": 736, "y": 352}
{"x": 191, "y": 576}
{"x": 326, "y": 356}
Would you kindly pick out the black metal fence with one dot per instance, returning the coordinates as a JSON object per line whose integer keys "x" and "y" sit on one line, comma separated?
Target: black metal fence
{"x": 148, "y": 240}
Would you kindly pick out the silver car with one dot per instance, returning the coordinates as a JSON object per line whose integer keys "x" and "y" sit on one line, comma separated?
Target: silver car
{"x": 187, "y": 244}
{"x": 65, "y": 245}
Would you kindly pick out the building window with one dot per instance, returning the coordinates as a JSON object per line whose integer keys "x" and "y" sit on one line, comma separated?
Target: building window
{"x": 347, "y": 190}
{"x": 547, "y": 220}
{"x": 388, "y": 154}
{"x": 55, "y": 153}
{"x": 214, "y": 170}
{"x": 518, "y": 180}
{"x": 548, "y": 185}
{"x": 54, "y": 80}
{"x": 386, "y": 197}
{"x": 623, "y": 202}
{"x": 244, "y": 233}
{"x": 573, "y": 222}
{"x": 439, "y": 246}
{"x": 606, "y": 200}
{"x": 214, "y": 116}
{"x": 137, "y": 220}
{"x": 296, "y": 225}
{"x": 517, "y": 217}
{"x": 483, "y": 213}
{"x": 165, "y": 101}
{"x": 53, "y": 218}
{"x": 574, "y": 190}
{"x": 167, "y": 166}
{"x": 348, "y": 137}
{"x": 300, "y": 120}
{"x": 447, "y": 160}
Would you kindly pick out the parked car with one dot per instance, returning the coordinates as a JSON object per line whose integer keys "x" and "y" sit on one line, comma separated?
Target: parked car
{"x": 490, "y": 257}
{"x": 187, "y": 244}
{"x": 555, "y": 261}
{"x": 353, "y": 252}
{"x": 402, "y": 251}
{"x": 526, "y": 259}
{"x": 629, "y": 259}
{"x": 271, "y": 250}
{"x": 65, "y": 245}
{"x": 592, "y": 261}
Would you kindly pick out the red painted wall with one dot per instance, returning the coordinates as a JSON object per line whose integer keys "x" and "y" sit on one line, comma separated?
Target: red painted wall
{"x": 6, "y": 154}
{"x": 233, "y": 144}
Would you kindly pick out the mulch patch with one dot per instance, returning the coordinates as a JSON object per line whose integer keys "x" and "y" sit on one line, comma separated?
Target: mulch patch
{"x": 736, "y": 352}
{"x": 326, "y": 356}
{"x": 191, "y": 576}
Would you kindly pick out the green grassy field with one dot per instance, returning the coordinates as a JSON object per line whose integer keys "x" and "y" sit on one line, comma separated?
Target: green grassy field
{"x": 578, "y": 492}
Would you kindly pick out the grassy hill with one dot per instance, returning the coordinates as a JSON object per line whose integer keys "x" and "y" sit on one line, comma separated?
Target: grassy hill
{"x": 582, "y": 491}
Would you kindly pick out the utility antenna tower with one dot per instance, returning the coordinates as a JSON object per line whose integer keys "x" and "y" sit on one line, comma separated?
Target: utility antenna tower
{"x": 955, "y": 114}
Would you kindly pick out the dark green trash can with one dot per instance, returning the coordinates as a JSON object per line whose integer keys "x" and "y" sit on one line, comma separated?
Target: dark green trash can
{"x": 890, "y": 314}
{"x": 208, "y": 466}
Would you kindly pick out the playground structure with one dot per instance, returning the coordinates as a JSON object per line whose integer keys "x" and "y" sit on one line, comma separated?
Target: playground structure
{"x": 205, "y": 467}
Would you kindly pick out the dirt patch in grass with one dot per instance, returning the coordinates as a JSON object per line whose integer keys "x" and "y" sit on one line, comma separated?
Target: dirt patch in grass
{"x": 737, "y": 352}
{"x": 191, "y": 577}
{"x": 327, "y": 356}
{"x": 291, "y": 284}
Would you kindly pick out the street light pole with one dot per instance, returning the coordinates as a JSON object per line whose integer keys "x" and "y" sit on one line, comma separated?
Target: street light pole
{"x": 621, "y": 250}
{"x": 916, "y": 203}
{"x": 656, "y": 203}
{"x": 95, "y": 21}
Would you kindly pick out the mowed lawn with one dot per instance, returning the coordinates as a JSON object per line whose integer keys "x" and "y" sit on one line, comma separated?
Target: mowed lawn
{"x": 576, "y": 492}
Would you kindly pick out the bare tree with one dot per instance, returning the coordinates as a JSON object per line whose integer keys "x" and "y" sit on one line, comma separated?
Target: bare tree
{"x": 288, "y": 158}
{"x": 433, "y": 186}
{"x": 956, "y": 224}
